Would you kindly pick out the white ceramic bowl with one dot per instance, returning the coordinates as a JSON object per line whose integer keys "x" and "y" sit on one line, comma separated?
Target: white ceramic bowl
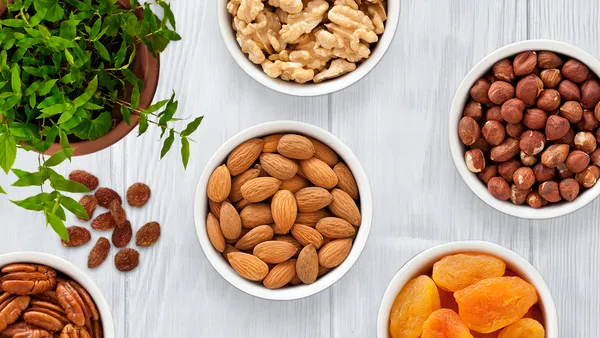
{"x": 307, "y": 89}
{"x": 458, "y": 149}
{"x": 289, "y": 292}
{"x": 423, "y": 264}
{"x": 61, "y": 265}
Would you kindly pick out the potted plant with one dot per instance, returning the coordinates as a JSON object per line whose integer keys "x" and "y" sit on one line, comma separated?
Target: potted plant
{"x": 76, "y": 76}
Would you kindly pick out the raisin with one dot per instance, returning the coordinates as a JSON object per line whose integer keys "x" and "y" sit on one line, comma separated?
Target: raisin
{"x": 105, "y": 196}
{"x": 99, "y": 253}
{"x": 524, "y": 328}
{"x": 89, "y": 203}
{"x": 456, "y": 272}
{"x": 138, "y": 194}
{"x": 148, "y": 234}
{"x": 118, "y": 213}
{"x": 121, "y": 236}
{"x": 413, "y": 305}
{"x": 78, "y": 236}
{"x": 445, "y": 323}
{"x": 127, "y": 260}
{"x": 104, "y": 221}
{"x": 88, "y": 180}
{"x": 494, "y": 303}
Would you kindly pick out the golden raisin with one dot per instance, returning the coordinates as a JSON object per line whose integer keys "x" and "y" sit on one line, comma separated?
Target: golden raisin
{"x": 524, "y": 328}
{"x": 456, "y": 272}
{"x": 494, "y": 303}
{"x": 413, "y": 305}
{"x": 445, "y": 323}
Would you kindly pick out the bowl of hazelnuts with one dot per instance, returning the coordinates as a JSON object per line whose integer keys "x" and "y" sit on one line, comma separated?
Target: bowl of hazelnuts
{"x": 524, "y": 129}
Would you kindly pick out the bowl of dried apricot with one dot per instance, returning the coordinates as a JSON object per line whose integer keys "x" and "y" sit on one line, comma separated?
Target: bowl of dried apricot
{"x": 467, "y": 289}
{"x": 524, "y": 129}
{"x": 45, "y": 296}
{"x": 283, "y": 210}
{"x": 307, "y": 47}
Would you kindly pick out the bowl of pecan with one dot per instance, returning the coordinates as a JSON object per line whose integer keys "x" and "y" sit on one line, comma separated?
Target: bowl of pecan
{"x": 307, "y": 48}
{"x": 283, "y": 210}
{"x": 524, "y": 129}
{"x": 45, "y": 296}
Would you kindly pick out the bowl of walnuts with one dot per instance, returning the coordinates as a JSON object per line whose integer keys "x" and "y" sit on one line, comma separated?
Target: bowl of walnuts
{"x": 524, "y": 129}
{"x": 283, "y": 210}
{"x": 307, "y": 47}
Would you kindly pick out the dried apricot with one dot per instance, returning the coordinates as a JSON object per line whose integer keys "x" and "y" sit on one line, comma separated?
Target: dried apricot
{"x": 121, "y": 236}
{"x": 456, "y": 272}
{"x": 494, "y": 303}
{"x": 148, "y": 234}
{"x": 105, "y": 196}
{"x": 524, "y": 328}
{"x": 413, "y": 305}
{"x": 118, "y": 213}
{"x": 78, "y": 236}
{"x": 127, "y": 260}
{"x": 138, "y": 194}
{"x": 99, "y": 253}
{"x": 445, "y": 323}
{"x": 83, "y": 177}
{"x": 89, "y": 203}
{"x": 104, "y": 221}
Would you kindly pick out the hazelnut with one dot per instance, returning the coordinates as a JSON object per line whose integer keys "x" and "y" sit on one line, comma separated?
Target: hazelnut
{"x": 585, "y": 141}
{"x": 528, "y": 160}
{"x": 475, "y": 160}
{"x": 500, "y": 91}
{"x": 577, "y": 161}
{"x": 512, "y": 110}
{"x": 555, "y": 155}
{"x": 597, "y": 111}
{"x": 535, "y": 118}
{"x": 532, "y": 142}
{"x": 528, "y": 89}
{"x": 549, "y": 191}
{"x": 572, "y": 111}
{"x": 569, "y": 138}
{"x": 525, "y": 63}
{"x": 490, "y": 77}
{"x": 494, "y": 114}
{"x": 473, "y": 110}
{"x": 564, "y": 172}
{"x": 588, "y": 121}
{"x": 494, "y": 132}
{"x": 508, "y": 168}
{"x": 518, "y": 195}
{"x": 595, "y": 157}
{"x": 569, "y": 91}
{"x": 468, "y": 130}
{"x": 505, "y": 151}
{"x": 479, "y": 91}
{"x": 515, "y": 130}
{"x": 543, "y": 173}
{"x": 487, "y": 173}
{"x": 524, "y": 178}
{"x": 569, "y": 189}
{"x": 547, "y": 60}
{"x": 534, "y": 200}
{"x": 481, "y": 144}
{"x": 503, "y": 70}
{"x": 548, "y": 100}
{"x": 590, "y": 94}
{"x": 588, "y": 177}
{"x": 551, "y": 78}
{"x": 498, "y": 187}
{"x": 575, "y": 71}
{"x": 556, "y": 127}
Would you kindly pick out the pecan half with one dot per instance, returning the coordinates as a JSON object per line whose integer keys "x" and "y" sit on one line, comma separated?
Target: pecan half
{"x": 27, "y": 279}
{"x": 72, "y": 303}
{"x": 24, "y": 330}
{"x": 33, "y": 333}
{"x": 96, "y": 329}
{"x": 89, "y": 305}
{"x": 71, "y": 331}
{"x": 47, "y": 296}
{"x": 11, "y": 307}
{"x": 45, "y": 318}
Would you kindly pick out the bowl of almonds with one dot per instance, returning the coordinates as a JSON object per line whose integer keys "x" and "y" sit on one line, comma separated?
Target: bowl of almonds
{"x": 307, "y": 47}
{"x": 45, "y": 296}
{"x": 283, "y": 210}
{"x": 524, "y": 129}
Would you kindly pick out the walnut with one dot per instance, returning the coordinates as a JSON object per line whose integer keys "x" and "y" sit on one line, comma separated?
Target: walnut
{"x": 305, "y": 21}
{"x": 356, "y": 24}
{"x": 339, "y": 44}
{"x": 232, "y": 7}
{"x": 290, "y": 6}
{"x": 248, "y": 10}
{"x": 309, "y": 53}
{"x": 350, "y": 3}
{"x": 284, "y": 55}
{"x": 375, "y": 9}
{"x": 260, "y": 36}
{"x": 337, "y": 68}
{"x": 289, "y": 71}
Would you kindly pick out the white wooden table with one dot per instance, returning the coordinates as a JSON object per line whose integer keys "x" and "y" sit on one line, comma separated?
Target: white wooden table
{"x": 394, "y": 120}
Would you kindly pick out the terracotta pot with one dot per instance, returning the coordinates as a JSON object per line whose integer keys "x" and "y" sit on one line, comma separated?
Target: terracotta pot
{"x": 144, "y": 66}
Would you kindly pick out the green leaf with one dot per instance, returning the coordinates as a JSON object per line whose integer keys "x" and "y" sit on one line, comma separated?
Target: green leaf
{"x": 69, "y": 186}
{"x": 67, "y": 115}
{"x": 33, "y": 179}
{"x": 93, "y": 129}
{"x": 44, "y": 31}
{"x": 74, "y": 207}
{"x": 20, "y": 130}
{"x": 69, "y": 57}
{"x": 8, "y": 151}
{"x": 20, "y": 173}
{"x": 55, "y": 109}
{"x": 121, "y": 54}
{"x": 168, "y": 113}
{"x": 32, "y": 88}
{"x": 2, "y": 191}
{"x": 102, "y": 51}
{"x": 16, "y": 23}
{"x": 35, "y": 203}
{"x": 59, "y": 157}
{"x": 169, "y": 35}
{"x": 155, "y": 107}
{"x": 192, "y": 126}
{"x": 143, "y": 124}
{"x": 126, "y": 115}
{"x": 91, "y": 106}
{"x": 185, "y": 151}
{"x": 95, "y": 29}
{"x": 168, "y": 13}
{"x": 15, "y": 80}
{"x": 135, "y": 97}
{"x": 89, "y": 92}
{"x": 64, "y": 140}
{"x": 57, "y": 224}
{"x": 167, "y": 144}
{"x": 46, "y": 87}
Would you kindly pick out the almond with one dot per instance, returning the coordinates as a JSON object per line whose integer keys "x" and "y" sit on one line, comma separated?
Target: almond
{"x": 306, "y": 235}
{"x": 254, "y": 237}
{"x": 260, "y": 188}
{"x": 270, "y": 143}
{"x": 280, "y": 274}
{"x": 319, "y": 173}
{"x": 256, "y": 214}
{"x": 284, "y": 210}
{"x": 333, "y": 227}
{"x": 215, "y": 208}
{"x": 236, "y": 184}
{"x": 324, "y": 153}
{"x": 312, "y": 199}
{"x": 291, "y": 240}
{"x": 248, "y": 266}
{"x": 213, "y": 229}
{"x": 229, "y": 249}
{"x": 244, "y": 155}
{"x": 294, "y": 184}
{"x": 346, "y": 180}
{"x": 335, "y": 252}
{"x": 296, "y": 147}
{"x": 278, "y": 166}
{"x": 343, "y": 206}
{"x": 274, "y": 252}
{"x": 307, "y": 265}
{"x": 243, "y": 232}
{"x": 219, "y": 184}
{"x": 231, "y": 224}
{"x": 311, "y": 218}
{"x": 242, "y": 204}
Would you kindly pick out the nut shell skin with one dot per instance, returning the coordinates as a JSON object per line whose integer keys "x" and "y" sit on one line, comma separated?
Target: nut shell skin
{"x": 473, "y": 110}
{"x": 528, "y": 89}
{"x": 525, "y": 63}
{"x": 569, "y": 189}
{"x": 590, "y": 94}
{"x": 494, "y": 113}
{"x": 588, "y": 121}
{"x": 512, "y": 110}
{"x": 535, "y": 119}
{"x": 543, "y": 173}
{"x": 479, "y": 91}
{"x": 487, "y": 173}
{"x": 499, "y": 188}
{"x": 577, "y": 161}
{"x": 468, "y": 130}
{"x": 549, "y": 191}
{"x": 548, "y": 100}
{"x": 508, "y": 168}
{"x": 556, "y": 127}
{"x": 500, "y": 92}
{"x": 534, "y": 200}
{"x": 505, "y": 151}
{"x": 588, "y": 177}
{"x": 572, "y": 111}
{"x": 524, "y": 178}
{"x": 575, "y": 71}
{"x": 585, "y": 141}
{"x": 475, "y": 160}
{"x": 493, "y": 132}
{"x": 555, "y": 155}
{"x": 569, "y": 91}
{"x": 515, "y": 130}
{"x": 532, "y": 142}
{"x": 517, "y": 195}
{"x": 548, "y": 60}
{"x": 503, "y": 70}
{"x": 551, "y": 78}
